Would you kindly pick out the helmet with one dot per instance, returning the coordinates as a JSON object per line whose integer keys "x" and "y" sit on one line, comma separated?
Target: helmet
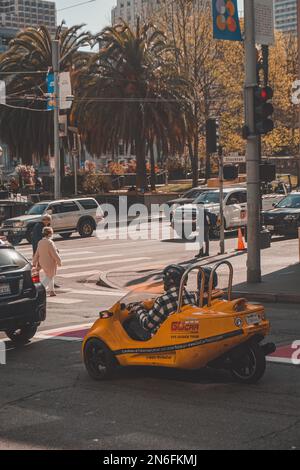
{"x": 207, "y": 271}
{"x": 172, "y": 275}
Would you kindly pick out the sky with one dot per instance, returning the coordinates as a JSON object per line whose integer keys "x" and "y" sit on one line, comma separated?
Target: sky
{"x": 96, "y": 15}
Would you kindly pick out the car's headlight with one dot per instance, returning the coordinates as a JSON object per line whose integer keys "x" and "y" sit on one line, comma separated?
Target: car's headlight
{"x": 291, "y": 218}
{"x": 18, "y": 224}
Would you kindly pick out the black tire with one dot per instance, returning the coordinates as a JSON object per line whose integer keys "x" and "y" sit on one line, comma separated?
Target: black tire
{"x": 65, "y": 236}
{"x": 22, "y": 335}
{"x": 250, "y": 366}
{"x": 14, "y": 240}
{"x": 99, "y": 361}
{"x": 86, "y": 228}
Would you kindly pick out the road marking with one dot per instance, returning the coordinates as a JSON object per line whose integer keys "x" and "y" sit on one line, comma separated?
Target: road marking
{"x": 122, "y": 260}
{"x": 92, "y": 257}
{"x": 63, "y": 300}
{"x": 83, "y": 273}
{"x": 96, "y": 292}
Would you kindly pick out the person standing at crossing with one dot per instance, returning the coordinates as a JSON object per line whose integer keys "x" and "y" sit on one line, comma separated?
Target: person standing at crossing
{"x": 46, "y": 258}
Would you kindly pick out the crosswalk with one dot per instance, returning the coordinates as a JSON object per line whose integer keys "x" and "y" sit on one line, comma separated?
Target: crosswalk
{"x": 87, "y": 258}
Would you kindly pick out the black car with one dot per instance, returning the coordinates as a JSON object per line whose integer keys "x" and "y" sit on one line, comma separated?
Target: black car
{"x": 22, "y": 296}
{"x": 284, "y": 219}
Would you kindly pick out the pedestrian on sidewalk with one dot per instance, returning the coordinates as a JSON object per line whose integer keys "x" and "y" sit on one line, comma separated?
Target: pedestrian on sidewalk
{"x": 46, "y": 258}
{"x": 37, "y": 232}
{"x": 209, "y": 221}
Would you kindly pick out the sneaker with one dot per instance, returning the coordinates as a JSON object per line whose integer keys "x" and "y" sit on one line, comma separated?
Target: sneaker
{"x": 52, "y": 294}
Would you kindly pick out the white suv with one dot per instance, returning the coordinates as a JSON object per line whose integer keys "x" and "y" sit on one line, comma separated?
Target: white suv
{"x": 235, "y": 209}
{"x": 68, "y": 215}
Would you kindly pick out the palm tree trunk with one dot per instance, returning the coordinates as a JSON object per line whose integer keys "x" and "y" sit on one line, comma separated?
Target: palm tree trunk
{"x": 141, "y": 173}
{"x": 152, "y": 163}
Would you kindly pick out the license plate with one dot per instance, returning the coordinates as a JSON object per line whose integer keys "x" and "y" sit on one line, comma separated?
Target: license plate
{"x": 253, "y": 319}
{"x": 4, "y": 289}
{"x": 270, "y": 227}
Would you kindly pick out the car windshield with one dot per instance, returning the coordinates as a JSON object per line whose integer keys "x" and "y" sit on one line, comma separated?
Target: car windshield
{"x": 37, "y": 209}
{"x": 292, "y": 201}
{"x": 208, "y": 197}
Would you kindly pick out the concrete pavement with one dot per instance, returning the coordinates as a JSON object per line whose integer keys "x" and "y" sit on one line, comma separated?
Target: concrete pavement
{"x": 47, "y": 401}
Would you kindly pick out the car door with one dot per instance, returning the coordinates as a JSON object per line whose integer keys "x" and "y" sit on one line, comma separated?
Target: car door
{"x": 235, "y": 205}
{"x": 57, "y": 217}
{"x": 70, "y": 214}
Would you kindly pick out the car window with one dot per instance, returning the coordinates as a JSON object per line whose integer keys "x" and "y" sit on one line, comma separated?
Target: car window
{"x": 209, "y": 197}
{"x": 292, "y": 201}
{"x": 68, "y": 207}
{"x": 88, "y": 204}
{"x": 37, "y": 209}
{"x": 237, "y": 198}
{"x": 11, "y": 258}
{"x": 54, "y": 209}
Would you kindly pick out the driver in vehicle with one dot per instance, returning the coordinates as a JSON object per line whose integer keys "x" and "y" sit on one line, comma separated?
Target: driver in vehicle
{"x": 145, "y": 323}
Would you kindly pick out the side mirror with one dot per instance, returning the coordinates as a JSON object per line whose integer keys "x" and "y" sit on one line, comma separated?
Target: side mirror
{"x": 274, "y": 204}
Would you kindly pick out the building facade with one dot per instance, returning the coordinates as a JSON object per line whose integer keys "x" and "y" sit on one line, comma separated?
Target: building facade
{"x": 285, "y": 12}
{"x": 19, "y": 14}
{"x": 130, "y": 10}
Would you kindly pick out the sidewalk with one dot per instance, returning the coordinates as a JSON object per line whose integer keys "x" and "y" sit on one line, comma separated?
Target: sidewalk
{"x": 280, "y": 274}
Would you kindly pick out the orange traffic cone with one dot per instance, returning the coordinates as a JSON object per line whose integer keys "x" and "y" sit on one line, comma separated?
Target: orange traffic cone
{"x": 241, "y": 243}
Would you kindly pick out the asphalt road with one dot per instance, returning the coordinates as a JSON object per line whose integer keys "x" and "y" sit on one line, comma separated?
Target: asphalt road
{"x": 47, "y": 401}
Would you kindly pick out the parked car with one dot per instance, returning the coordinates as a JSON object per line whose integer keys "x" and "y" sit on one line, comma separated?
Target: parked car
{"x": 186, "y": 198}
{"x": 22, "y": 296}
{"x": 235, "y": 209}
{"x": 284, "y": 218}
{"x": 68, "y": 215}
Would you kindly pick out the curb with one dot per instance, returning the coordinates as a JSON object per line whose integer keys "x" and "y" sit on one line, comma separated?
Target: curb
{"x": 267, "y": 297}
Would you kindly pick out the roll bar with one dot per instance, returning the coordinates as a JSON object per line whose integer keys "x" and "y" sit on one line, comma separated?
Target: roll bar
{"x": 211, "y": 280}
{"x": 183, "y": 282}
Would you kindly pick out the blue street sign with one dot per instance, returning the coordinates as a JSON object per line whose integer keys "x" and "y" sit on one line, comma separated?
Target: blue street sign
{"x": 226, "y": 23}
{"x": 50, "y": 91}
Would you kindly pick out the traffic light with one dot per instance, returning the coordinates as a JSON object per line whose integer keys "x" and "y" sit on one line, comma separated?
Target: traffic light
{"x": 212, "y": 135}
{"x": 263, "y": 110}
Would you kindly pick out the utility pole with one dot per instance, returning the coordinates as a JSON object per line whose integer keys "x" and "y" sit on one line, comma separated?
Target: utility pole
{"x": 55, "y": 66}
{"x": 221, "y": 179}
{"x": 298, "y": 36}
{"x": 252, "y": 153}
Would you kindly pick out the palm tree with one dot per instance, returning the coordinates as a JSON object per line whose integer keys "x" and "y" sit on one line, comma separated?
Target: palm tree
{"x": 131, "y": 92}
{"x": 25, "y": 124}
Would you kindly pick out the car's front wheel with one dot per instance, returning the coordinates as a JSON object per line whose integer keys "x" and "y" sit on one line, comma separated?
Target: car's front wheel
{"x": 14, "y": 239}
{"x": 98, "y": 359}
{"x": 23, "y": 334}
{"x": 86, "y": 228}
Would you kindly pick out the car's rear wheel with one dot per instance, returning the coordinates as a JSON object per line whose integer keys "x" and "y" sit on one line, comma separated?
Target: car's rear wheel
{"x": 23, "y": 334}
{"x": 98, "y": 359}
{"x": 86, "y": 228}
{"x": 250, "y": 366}
{"x": 65, "y": 236}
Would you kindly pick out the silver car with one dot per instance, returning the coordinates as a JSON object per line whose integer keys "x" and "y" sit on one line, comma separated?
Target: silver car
{"x": 68, "y": 215}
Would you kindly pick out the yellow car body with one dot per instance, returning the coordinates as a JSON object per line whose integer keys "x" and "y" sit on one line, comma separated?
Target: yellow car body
{"x": 187, "y": 340}
{"x": 192, "y": 338}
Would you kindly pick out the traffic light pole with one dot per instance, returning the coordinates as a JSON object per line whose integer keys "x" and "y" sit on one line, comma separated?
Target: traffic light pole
{"x": 55, "y": 66}
{"x": 252, "y": 152}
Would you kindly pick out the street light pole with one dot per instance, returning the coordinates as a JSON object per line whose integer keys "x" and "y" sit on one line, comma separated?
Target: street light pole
{"x": 252, "y": 152}
{"x": 55, "y": 66}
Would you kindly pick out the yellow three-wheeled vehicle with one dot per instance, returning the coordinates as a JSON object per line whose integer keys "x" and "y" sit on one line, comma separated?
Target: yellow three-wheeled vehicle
{"x": 218, "y": 332}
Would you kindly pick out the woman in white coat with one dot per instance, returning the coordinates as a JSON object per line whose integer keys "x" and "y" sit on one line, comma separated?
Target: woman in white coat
{"x": 47, "y": 258}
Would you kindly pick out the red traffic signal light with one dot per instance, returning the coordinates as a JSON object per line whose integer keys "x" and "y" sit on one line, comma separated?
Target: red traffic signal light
{"x": 263, "y": 110}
